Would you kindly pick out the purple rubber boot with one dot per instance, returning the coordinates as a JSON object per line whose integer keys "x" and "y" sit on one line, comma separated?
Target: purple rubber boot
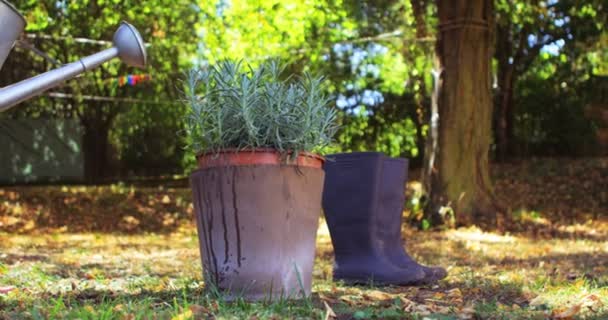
{"x": 358, "y": 224}
{"x": 392, "y": 200}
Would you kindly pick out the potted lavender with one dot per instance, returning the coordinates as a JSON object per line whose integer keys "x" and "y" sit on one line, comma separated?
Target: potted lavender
{"x": 257, "y": 190}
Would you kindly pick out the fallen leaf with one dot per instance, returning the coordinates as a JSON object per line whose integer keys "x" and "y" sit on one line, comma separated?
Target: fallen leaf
{"x": 455, "y": 296}
{"x": 440, "y": 309}
{"x": 466, "y": 313}
{"x": 198, "y": 311}
{"x": 592, "y": 302}
{"x": 538, "y": 301}
{"x": 438, "y": 296}
{"x": 454, "y": 293}
{"x": 329, "y": 313}
{"x": 408, "y": 305}
{"x": 327, "y": 298}
{"x": 166, "y": 200}
{"x": 422, "y": 310}
{"x": 376, "y": 295}
{"x": 566, "y": 314}
{"x": 350, "y": 300}
{"x": 465, "y": 316}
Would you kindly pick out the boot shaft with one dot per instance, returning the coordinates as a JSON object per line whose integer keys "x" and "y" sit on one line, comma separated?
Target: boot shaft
{"x": 392, "y": 195}
{"x": 350, "y": 197}
{"x": 351, "y": 187}
{"x": 359, "y": 186}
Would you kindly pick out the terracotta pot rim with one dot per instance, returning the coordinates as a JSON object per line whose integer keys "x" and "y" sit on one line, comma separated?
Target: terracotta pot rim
{"x": 258, "y": 156}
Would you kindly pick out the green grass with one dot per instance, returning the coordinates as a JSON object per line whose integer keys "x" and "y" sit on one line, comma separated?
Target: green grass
{"x": 154, "y": 276}
{"x": 64, "y": 264}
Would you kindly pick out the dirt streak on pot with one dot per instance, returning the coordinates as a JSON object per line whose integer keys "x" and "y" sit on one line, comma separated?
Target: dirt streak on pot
{"x": 200, "y": 222}
{"x": 237, "y": 226}
{"x": 209, "y": 230}
{"x": 205, "y": 209}
{"x": 220, "y": 192}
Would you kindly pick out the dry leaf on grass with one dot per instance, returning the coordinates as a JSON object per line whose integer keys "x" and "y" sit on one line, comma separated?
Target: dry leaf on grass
{"x": 377, "y": 295}
{"x": 455, "y": 296}
{"x": 422, "y": 310}
{"x": 538, "y": 301}
{"x": 329, "y": 299}
{"x": 329, "y": 313}
{"x": 419, "y": 309}
{"x": 350, "y": 300}
{"x": 565, "y": 314}
{"x": 592, "y": 302}
{"x": 199, "y": 312}
{"x": 408, "y": 305}
{"x": 439, "y": 309}
{"x": 466, "y": 313}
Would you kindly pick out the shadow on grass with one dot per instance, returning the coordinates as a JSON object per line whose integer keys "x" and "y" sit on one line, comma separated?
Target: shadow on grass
{"x": 574, "y": 231}
{"x": 99, "y": 209}
{"x": 10, "y": 258}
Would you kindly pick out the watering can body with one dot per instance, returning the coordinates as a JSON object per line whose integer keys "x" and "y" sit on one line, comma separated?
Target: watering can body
{"x": 12, "y": 24}
{"x": 128, "y": 45}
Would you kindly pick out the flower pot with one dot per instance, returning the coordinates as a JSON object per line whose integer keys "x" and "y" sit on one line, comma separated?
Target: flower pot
{"x": 257, "y": 217}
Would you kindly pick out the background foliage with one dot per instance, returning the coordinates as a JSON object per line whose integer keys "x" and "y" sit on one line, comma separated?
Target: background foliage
{"x": 550, "y": 66}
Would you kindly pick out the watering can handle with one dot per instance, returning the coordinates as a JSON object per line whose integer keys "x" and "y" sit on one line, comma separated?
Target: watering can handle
{"x": 28, "y": 46}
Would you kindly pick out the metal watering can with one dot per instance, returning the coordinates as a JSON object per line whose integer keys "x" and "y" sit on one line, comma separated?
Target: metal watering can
{"x": 128, "y": 46}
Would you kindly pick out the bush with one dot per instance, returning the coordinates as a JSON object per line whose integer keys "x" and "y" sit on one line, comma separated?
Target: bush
{"x": 550, "y": 120}
{"x": 144, "y": 137}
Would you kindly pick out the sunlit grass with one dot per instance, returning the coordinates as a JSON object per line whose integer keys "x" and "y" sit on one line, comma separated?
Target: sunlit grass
{"x": 106, "y": 276}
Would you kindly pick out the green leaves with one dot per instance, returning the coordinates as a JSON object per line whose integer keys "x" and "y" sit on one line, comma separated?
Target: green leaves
{"x": 233, "y": 105}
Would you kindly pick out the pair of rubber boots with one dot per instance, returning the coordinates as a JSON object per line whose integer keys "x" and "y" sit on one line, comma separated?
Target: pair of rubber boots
{"x": 363, "y": 201}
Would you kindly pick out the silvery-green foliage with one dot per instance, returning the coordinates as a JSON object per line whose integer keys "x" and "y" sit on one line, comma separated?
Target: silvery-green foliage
{"x": 233, "y": 105}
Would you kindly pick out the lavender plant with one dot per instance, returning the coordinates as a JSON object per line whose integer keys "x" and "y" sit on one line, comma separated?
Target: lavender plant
{"x": 233, "y": 105}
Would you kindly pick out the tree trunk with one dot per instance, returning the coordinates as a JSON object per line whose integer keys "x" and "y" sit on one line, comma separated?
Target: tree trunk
{"x": 459, "y": 179}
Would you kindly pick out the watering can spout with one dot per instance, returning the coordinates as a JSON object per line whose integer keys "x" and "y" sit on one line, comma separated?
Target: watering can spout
{"x": 128, "y": 45}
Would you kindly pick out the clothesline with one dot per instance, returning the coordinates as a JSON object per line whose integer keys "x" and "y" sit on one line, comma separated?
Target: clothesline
{"x": 61, "y": 95}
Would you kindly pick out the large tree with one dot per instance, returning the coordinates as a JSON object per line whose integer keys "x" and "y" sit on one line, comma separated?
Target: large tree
{"x": 461, "y": 127}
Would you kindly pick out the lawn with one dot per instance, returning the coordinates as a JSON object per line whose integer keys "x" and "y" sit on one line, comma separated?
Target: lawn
{"x": 59, "y": 259}
{"x": 148, "y": 276}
